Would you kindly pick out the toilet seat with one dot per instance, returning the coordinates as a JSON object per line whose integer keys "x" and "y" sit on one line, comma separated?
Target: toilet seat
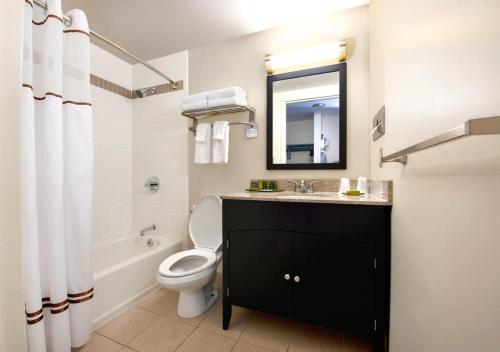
{"x": 187, "y": 263}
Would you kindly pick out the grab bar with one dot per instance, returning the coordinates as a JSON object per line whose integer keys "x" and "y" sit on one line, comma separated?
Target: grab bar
{"x": 472, "y": 127}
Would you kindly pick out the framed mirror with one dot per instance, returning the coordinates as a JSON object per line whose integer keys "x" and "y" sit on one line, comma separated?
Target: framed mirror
{"x": 306, "y": 119}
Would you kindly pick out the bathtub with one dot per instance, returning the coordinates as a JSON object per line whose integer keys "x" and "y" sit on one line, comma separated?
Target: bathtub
{"x": 125, "y": 270}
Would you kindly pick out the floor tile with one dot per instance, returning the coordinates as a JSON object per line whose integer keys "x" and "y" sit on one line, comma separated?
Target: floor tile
{"x": 164, "y": 335}
{"x": 128, "y": 325}
{"x": 98, "y": 343}
{"x": 205, "y": 341}
{"x": 159, "y": 301}
{"x": 313, "y": 339}
{"x": 126, "y": 349}
{"x": 239, "y": 320}
{"x": 268, "y": 331}
{"x": 246, "y": 347}
{"x": 218, "y": 281}
{"x": 352, "y": 344}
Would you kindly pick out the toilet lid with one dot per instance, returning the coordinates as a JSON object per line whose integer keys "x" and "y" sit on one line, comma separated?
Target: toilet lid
{"x": 205, "y": 224}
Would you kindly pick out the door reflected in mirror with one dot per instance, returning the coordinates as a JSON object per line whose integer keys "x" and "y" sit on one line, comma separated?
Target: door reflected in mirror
{"x": 306, "y": 121}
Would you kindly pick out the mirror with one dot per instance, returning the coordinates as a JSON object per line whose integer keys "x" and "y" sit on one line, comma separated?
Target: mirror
{"x": 306, "y": 119}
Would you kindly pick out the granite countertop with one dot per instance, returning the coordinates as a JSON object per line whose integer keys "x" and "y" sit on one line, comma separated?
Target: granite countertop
{"x": 317, "y": 197}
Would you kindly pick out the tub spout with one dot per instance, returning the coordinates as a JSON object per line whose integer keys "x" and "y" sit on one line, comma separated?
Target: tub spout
{"x": 148, "y": 228}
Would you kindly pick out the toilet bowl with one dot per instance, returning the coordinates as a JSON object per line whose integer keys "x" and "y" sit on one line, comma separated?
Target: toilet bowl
{"x": 192, "y": 272}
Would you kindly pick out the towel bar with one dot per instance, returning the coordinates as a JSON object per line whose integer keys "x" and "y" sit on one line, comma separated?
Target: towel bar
{"x": 193, "y": 128}
{"x": 472, "y": 127}
{"x": 197, "y": 114}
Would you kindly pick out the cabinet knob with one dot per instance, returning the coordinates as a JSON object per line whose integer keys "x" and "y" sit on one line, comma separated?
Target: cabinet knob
{"x": 296, "y": 279}
{"x": 287, "y": 276}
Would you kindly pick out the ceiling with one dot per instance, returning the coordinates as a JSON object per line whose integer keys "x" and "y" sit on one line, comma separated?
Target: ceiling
{"x": 155, "y": 28}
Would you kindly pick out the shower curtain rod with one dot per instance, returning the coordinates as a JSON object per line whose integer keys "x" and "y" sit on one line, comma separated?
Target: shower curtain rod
{"x": 67, "y": 20}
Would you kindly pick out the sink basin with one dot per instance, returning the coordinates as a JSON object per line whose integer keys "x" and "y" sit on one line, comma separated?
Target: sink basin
{"x": 305, "y": 195}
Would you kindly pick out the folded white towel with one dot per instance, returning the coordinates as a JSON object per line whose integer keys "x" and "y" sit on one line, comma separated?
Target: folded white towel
{"x": 196, "y": 104}
{"x": 220, "y": 143}
{"x": 202, "y": 144}
{"x": 194, "y": 97}
{"x": 226, "y": 93}
{"x": 227, "y": 101}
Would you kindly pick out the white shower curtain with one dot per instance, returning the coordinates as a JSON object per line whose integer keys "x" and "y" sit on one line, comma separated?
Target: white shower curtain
{"x": 56, "y": 179}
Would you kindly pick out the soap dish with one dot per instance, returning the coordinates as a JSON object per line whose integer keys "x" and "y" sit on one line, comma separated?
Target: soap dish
{"x": 353, "y": 193}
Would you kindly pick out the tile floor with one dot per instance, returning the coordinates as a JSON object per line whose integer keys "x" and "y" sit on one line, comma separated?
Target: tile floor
{"x": 152, "y": 325}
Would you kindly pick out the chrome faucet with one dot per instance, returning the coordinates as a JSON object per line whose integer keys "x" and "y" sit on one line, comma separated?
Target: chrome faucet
{"x": 301, "y": 186}
{"x": 148, "y": 228}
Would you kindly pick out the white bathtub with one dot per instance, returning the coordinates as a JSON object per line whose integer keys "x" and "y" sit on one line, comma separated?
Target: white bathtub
{"x": 124, "y": 270}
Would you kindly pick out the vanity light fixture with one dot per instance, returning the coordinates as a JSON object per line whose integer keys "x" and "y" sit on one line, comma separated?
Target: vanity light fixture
{"x": 322, "y": 55}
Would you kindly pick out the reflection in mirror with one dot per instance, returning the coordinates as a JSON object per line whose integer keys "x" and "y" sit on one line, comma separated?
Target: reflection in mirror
{"x": 306, "y": 121}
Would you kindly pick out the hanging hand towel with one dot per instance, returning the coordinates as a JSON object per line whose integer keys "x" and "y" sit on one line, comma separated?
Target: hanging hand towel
{"x": 236, "y": 100}
{"x": 226, "y": 93}
{"x": 220, "y": 152}
{"x": 202, "y": 144}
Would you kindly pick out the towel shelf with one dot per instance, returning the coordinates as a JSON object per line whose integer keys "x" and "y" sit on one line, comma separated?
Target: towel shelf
{"x": 472, "y": 127}
{"x": 198, "y": 114}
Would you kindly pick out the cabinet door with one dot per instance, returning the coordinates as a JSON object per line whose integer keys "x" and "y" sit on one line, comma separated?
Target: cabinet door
{"x": 258, "y": 262}
{"x": 336, "y": 287}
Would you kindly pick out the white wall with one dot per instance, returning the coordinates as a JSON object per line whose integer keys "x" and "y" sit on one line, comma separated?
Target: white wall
{"x": 240, "y": 62}
{"x": 112, "y": 117}
{"x": 330, "y": 126}
{"x": 160, "y": 149}
{"x": 435, "y": 64}
{"x": 300, "y": 132}
{"x": 12, "y": 320}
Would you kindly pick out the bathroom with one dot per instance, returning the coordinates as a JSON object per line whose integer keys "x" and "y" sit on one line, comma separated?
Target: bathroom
{"x": 406, "y": 72}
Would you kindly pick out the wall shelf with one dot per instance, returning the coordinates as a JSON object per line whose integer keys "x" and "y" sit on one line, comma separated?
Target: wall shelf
{"x": 198, "y": 114}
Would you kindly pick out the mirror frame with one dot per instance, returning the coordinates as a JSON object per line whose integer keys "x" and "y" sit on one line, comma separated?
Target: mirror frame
{"x": 342, "y": 163}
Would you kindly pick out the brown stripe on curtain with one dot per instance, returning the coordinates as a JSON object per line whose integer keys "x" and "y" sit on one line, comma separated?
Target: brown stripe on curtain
{"x": 57, "y": 311}
{"x": 46, "y": 18}
{"x": 76, "y": 103}
{"x": 48, "y": 93}
{"x": 34, "y": 314}
{"x": 74, "y": 301}
{"x": 75, "y": 295}
{"x": 57, "y": 96}
{"x": 76, "y": 31}
{"x": 30, "y": 322}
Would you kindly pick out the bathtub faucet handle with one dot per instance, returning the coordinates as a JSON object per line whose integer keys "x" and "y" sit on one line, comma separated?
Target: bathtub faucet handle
{"x": 148, "y": 228}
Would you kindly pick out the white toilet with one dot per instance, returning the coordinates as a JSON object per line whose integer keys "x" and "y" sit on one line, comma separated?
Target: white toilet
{"x": 192, "y": 272}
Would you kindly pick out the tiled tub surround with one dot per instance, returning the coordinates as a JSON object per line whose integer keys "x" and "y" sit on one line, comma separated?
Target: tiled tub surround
{"x": 153, "y": 325}
{"x": 325, "y": 191}
{"x": 127, "y": 93}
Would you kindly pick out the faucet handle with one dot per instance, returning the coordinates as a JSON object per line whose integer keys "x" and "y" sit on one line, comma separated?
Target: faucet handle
{"x": 295, "y": 183}
{"x": 310, "y": 189}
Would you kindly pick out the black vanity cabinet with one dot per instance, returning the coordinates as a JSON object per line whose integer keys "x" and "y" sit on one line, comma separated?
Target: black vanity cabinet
{"x": 323, "y": 264}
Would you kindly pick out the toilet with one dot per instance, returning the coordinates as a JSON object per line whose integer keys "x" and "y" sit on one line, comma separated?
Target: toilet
{"x": 192, "y": 272}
